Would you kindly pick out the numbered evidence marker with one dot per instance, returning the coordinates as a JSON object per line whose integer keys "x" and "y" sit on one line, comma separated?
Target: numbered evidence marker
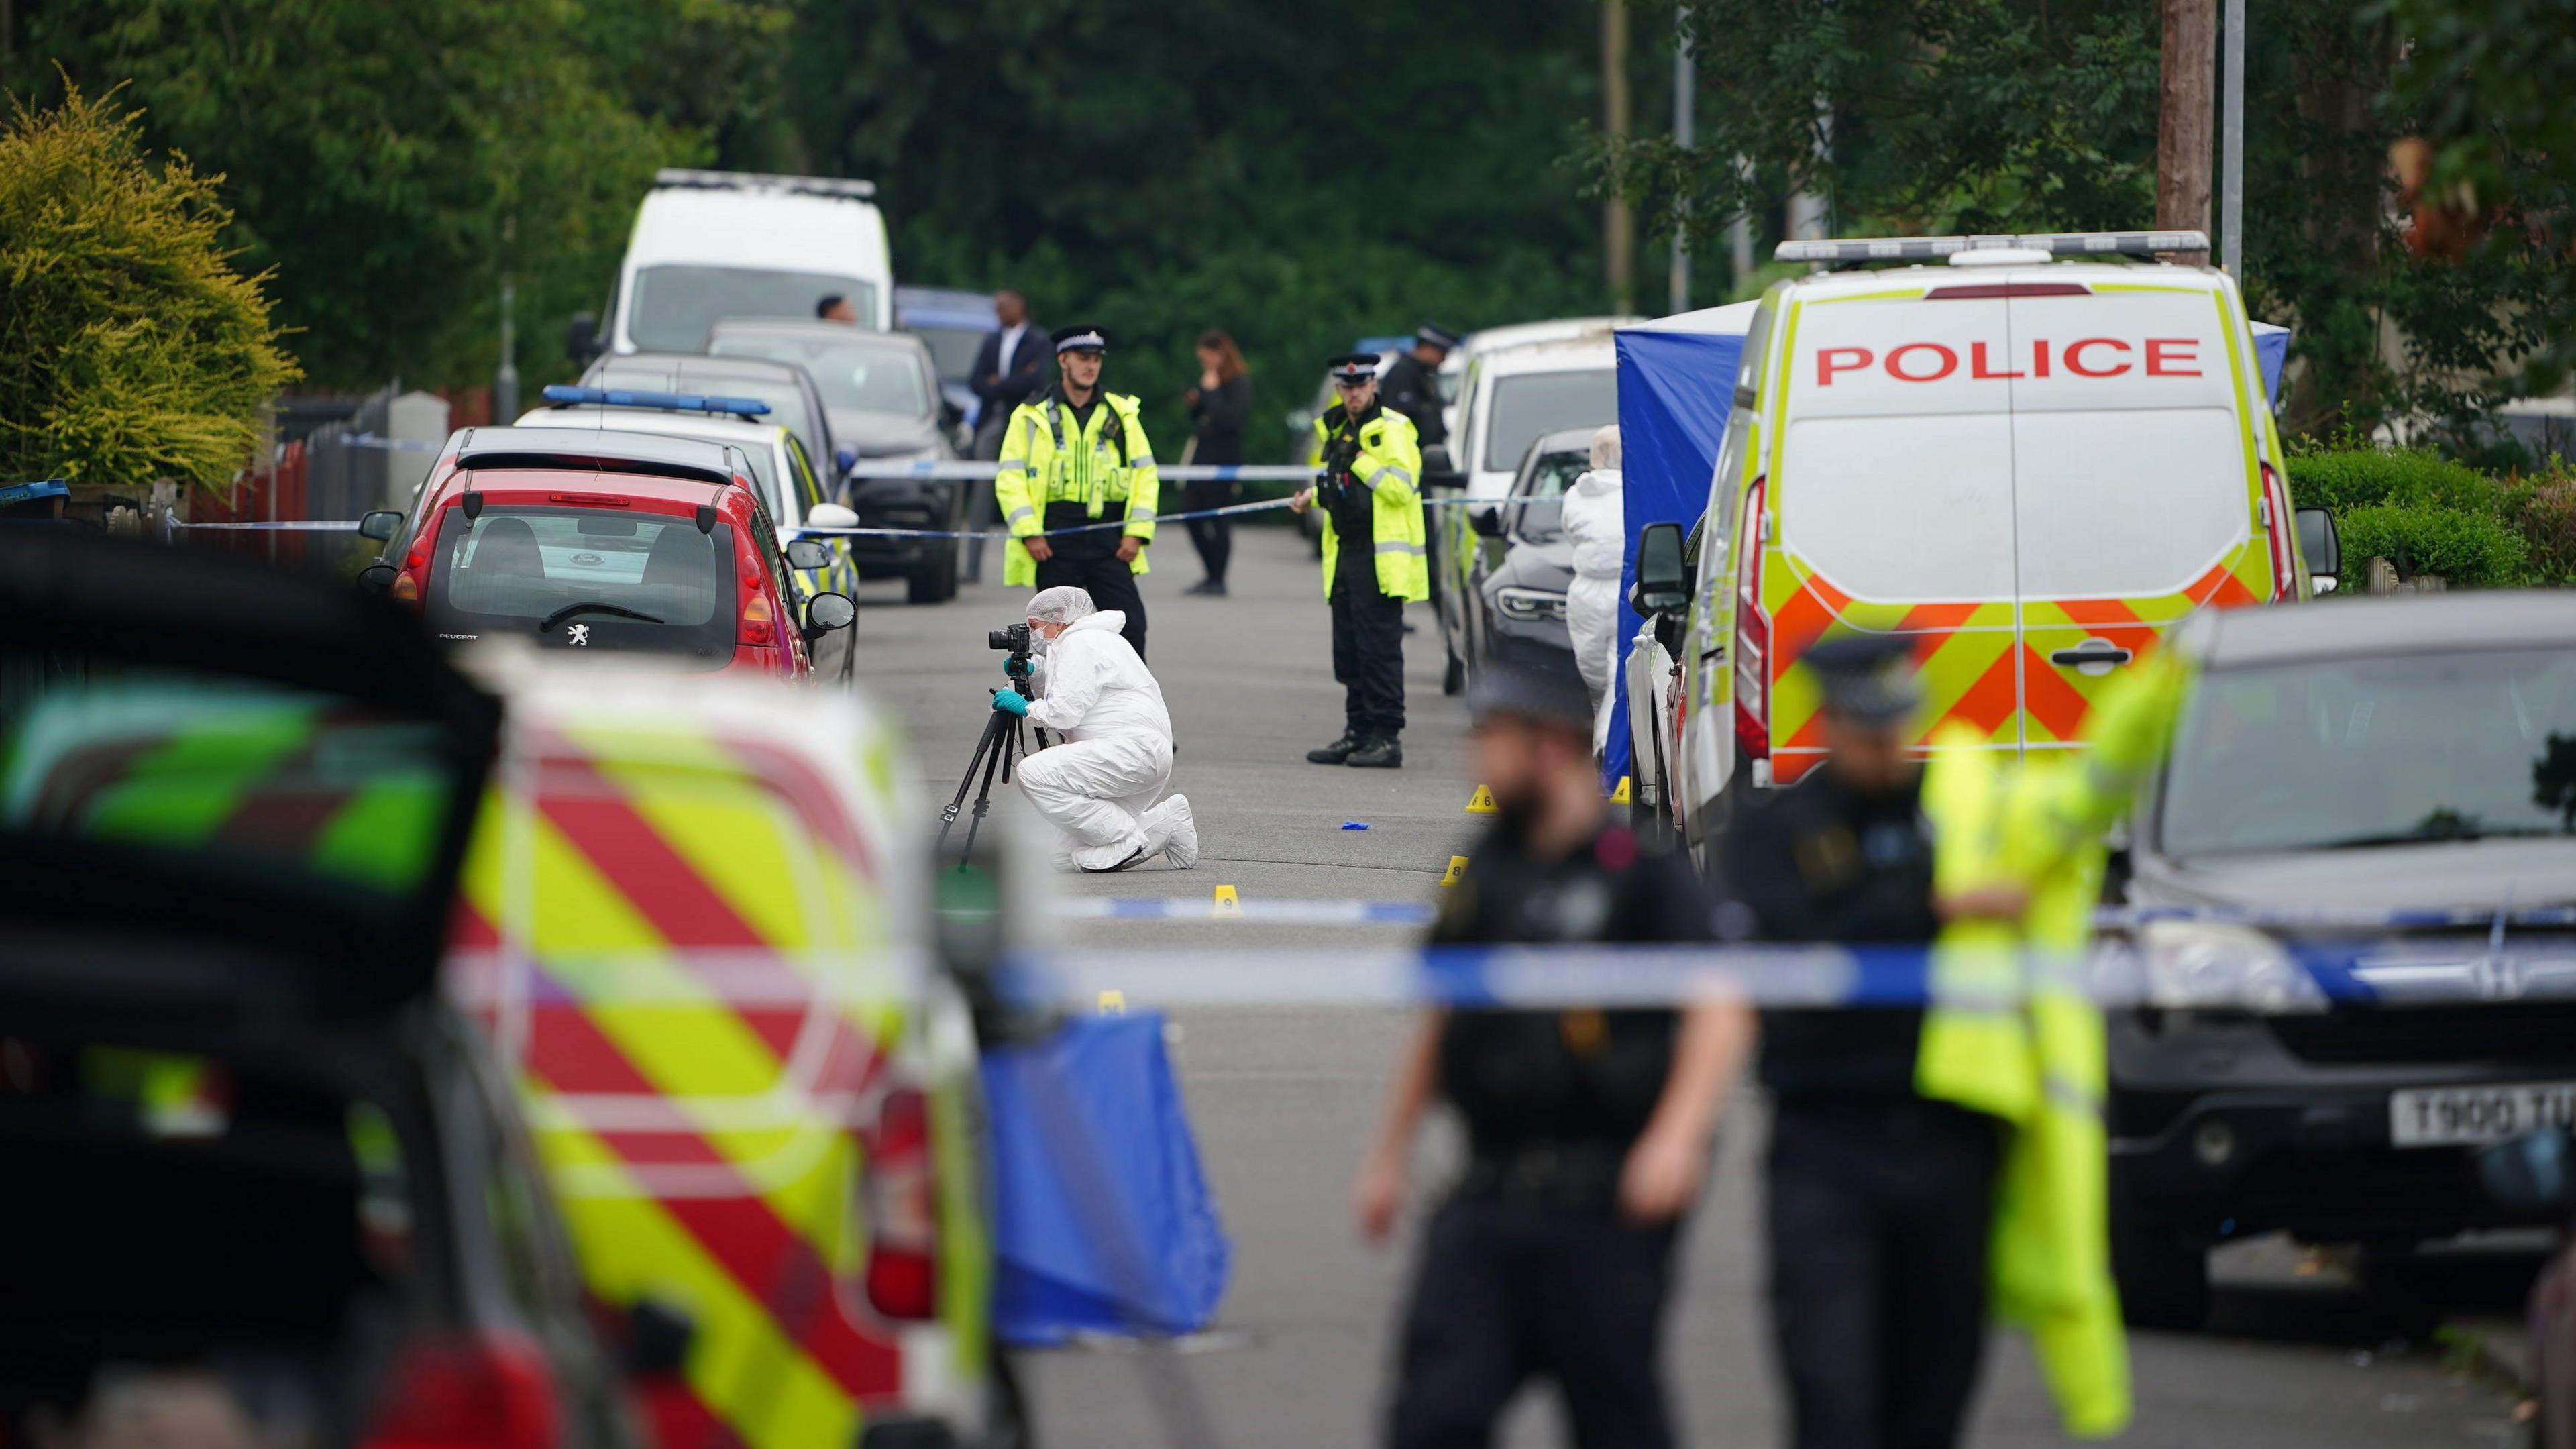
{"x": 1113, "y": 1003}
{"x": 1620, "y": 795}
{"x": 1481, "y": 803}
{"x": 1226, "y": 902}
{"x": 1457, "y": 868}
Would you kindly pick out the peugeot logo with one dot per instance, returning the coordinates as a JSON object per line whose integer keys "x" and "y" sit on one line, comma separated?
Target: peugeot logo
{"x": 577, "y": 634}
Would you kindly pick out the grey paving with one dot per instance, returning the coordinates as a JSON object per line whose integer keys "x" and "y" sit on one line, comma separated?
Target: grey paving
{"x": 1282, "y": 1100}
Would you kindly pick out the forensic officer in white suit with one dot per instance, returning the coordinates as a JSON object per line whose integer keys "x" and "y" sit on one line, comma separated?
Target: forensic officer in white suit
{"x": 1102, "y": 788}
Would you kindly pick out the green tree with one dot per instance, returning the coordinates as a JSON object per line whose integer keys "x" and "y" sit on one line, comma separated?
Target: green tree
{"x": 130, "y": 347}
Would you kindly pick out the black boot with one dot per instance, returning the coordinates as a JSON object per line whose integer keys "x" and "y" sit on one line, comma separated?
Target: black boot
{"x": 1377, "y": 752}
{"x": 1336, "y": 752}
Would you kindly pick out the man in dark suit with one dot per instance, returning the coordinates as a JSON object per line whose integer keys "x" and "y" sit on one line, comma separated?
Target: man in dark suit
{"x": 1010, "y": 368}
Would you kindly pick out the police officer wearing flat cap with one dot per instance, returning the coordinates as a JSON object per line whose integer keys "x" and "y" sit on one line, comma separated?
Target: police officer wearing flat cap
{"x": 1412, "y": 383}
{"x": 1374, "y": 563}
{"x": 1881, "y": 1200}
{"x": 1588, "y": 1130}
{"x": 1075, "y": 458}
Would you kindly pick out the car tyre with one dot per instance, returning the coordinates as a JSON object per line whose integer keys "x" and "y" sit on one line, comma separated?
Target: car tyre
{"x": 934, "y": 582}
{"x": 2163, "y": 1276}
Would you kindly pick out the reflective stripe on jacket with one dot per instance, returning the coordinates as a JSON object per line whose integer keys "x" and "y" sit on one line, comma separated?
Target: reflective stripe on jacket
{"x": 1048, "y": 458}
{"x": 2011, "y": 1032}
{"x": 1389, "y": 465}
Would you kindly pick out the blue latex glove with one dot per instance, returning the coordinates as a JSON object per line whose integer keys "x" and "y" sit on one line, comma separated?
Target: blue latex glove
{"x": 1011, "y": 700}
{"x": 1018, "y": 668}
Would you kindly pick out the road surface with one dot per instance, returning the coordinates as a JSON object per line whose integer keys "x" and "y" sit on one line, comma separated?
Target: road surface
{"x": 1283, "y": 1099}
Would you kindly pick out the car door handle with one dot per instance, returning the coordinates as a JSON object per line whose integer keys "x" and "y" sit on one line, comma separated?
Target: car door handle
{"x": 2091, "y": 651}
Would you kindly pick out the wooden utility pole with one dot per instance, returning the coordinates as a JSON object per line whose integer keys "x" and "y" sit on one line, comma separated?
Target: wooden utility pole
{"x": 2185, "y": 115}
{"x": 1618, "y": 227}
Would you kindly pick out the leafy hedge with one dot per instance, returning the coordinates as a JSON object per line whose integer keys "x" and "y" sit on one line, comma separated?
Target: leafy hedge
{"x": 130, "y": 348}
{"x": 2429, "y": 514}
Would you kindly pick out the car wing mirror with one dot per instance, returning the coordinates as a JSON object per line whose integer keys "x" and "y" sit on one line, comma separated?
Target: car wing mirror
{"x": 1487, "y": 521}
{"x": 380, "y": 524}
{"x": 1439, "y": 469}
{"x": 581, "y": 338}
{"x": 378, "y": 578}
{"x": 827, "y": 612}
{"x": 809, "y": 553}
{"x": 2323, "y": 547}
{"x": 1663, "y": 580}
{"x": 830, "y": 515}
{"x": 2535, "y": 1170}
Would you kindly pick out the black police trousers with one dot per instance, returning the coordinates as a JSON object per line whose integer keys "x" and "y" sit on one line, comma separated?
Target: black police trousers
{"x": 1368, "y": 658}
{"x": 1514, "y": 1290}
{"x": 1879, "y": 1221}
{"x": 1111, "y": 584}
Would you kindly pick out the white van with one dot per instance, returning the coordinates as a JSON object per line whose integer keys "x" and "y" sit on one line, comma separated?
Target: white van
{"x": 708, "y": 245}
{"x": 1453, "y": 368}
{"x": 2027, "y": 467}
{"x": 1511, "y": 398}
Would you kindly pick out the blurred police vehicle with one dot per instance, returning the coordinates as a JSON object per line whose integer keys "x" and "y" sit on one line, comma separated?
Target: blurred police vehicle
{"x": 2025, "y": 455}
{"x": 1511, "y": 398}
{"x": 696, "y": 918}
{"x": 795, "y": 402}
{"x": 881, "y": 391}
{"x": 2387, "y": 789}
{"x": 714, "y": 244}
{"x": 264, "y": 1183}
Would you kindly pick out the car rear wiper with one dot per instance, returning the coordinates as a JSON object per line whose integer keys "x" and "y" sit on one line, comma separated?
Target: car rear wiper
{"x": 2439, "y": 836}
{"x": 568, "y": 610}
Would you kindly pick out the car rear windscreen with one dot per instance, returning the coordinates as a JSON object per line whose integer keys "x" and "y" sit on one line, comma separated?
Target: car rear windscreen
{"x": 1530, "y": 405}
{"x": 953, "y": 349}
{"x": 859, "y": 373}
{"x": 676, "y": 305}
{"x": 580, "y": 578}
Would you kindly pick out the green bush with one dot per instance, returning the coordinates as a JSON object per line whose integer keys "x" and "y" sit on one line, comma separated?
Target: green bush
{"x": 2470, "y": 549}
{"x": 130, "y": 348}
{"x": 2348, "y": 478}
{"x": 2546, "y": 516}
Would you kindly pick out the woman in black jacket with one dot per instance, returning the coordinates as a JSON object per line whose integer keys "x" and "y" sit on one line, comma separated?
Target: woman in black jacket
{"x": 1220, "y": 406}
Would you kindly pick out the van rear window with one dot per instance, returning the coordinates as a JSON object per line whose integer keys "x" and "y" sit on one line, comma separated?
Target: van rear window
{"x": 676, "y": 306}
{"x": 585, "y": 578}
{"x": 2126, "y": 504}
{"x": 1916, "y": 508}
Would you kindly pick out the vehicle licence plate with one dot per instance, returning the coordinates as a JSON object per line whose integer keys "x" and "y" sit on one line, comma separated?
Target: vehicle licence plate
{"x": 2449, "y": 1116}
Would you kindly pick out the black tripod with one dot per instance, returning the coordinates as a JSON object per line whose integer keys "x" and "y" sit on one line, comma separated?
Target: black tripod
{"x": 1000, "y": 746}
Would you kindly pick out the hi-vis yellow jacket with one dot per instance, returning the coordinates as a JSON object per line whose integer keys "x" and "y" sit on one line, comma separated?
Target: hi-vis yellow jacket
{"x": 1105, "y": 465}
{"x": 2014, "y": 1034}
{"x": 1389, "y": 465}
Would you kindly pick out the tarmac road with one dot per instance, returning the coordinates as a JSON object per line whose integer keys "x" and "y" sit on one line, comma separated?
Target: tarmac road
{"x": 1283, "y": 1099}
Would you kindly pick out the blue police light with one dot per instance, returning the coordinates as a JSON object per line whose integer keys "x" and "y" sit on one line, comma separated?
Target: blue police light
{"x": 616, "y": 397}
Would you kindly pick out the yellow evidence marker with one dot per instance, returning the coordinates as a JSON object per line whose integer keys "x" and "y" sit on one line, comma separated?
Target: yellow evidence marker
{"x": 1481, "y": 803}
{"x": 1457, "y": 868}
{"x": 1227, "y": 903}
{"x": 1113, "y": 1003}
{"x": 1620, "y": 795}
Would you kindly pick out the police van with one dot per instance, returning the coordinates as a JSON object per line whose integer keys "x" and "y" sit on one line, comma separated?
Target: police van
{"x": 708, "y": 245}
{"x": 2027, "y": 456}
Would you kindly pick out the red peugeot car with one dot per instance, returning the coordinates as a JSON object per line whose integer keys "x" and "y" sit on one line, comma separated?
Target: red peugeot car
{"x": 601, "y": 540}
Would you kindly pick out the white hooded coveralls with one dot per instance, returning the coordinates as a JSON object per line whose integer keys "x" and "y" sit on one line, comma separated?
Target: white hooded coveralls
{"x": 1596, "y": 531}
{"x": 1099, "y": 788}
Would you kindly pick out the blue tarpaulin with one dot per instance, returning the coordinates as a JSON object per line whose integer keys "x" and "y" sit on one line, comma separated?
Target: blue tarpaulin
{"x": 1102, "y": 1222}
{"x": 1676, "y": 386}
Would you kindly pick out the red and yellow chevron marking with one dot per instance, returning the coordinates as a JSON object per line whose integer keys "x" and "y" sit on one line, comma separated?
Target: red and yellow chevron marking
{"x": 696, "y": 1031}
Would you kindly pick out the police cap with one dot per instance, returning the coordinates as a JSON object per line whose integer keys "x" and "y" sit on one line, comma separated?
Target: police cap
{"x": 1085, "y": 338}
{"x": 1866, "y": 678}
{"x": 1432, "y": 335}
{"x": 1537, "y": 690}
{"x": 1353, "y": 368}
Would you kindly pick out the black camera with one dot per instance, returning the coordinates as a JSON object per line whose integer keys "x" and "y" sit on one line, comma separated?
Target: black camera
{"x": 1014, "y": 638}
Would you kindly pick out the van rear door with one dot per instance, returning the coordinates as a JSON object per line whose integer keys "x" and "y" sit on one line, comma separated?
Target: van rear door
{"x": 2137, "y": 479}
{"x": 1889, "y": 505}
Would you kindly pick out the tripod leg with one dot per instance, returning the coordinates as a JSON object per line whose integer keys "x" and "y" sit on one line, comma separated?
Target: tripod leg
{"x": 996, "y": 758}
{"x": 981, "y": 759}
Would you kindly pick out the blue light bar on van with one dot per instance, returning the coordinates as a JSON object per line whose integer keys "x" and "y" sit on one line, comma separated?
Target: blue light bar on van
{"x": 678, "y": 402}
{"x": 1935, "y": 248}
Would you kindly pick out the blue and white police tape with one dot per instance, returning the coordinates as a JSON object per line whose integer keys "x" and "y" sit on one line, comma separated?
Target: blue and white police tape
{"x": 970, "y": 469}
{"x": 1229, "y": 510}
{"x": 2108, "y": 918}
{"x": 1272, "y": 913}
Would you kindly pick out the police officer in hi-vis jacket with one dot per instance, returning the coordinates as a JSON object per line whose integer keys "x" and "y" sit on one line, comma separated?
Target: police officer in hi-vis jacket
{"x": 1374, "y": 564}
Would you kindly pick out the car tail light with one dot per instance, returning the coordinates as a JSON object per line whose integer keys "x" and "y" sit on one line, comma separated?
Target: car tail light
{"x": 406, "y": 587}
{"x": 494, "y": 1392}
{"x": 1752, "y": 634}
{"x": 2278, "y": 523}
{"x": 759, "y": 621}
{"x": 903, "y": 1210}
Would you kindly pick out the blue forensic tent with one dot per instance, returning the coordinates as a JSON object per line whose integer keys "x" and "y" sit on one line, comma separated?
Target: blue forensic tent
{"x": 1676, "y": 386}
{"x": 1102, "y": 1221}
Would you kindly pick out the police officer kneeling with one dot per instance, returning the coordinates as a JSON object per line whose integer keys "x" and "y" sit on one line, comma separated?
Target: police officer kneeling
{"x": 1588, "y": 1130}
{"x": 1075, "y": 457}
{"x": 1374, "y": 563}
